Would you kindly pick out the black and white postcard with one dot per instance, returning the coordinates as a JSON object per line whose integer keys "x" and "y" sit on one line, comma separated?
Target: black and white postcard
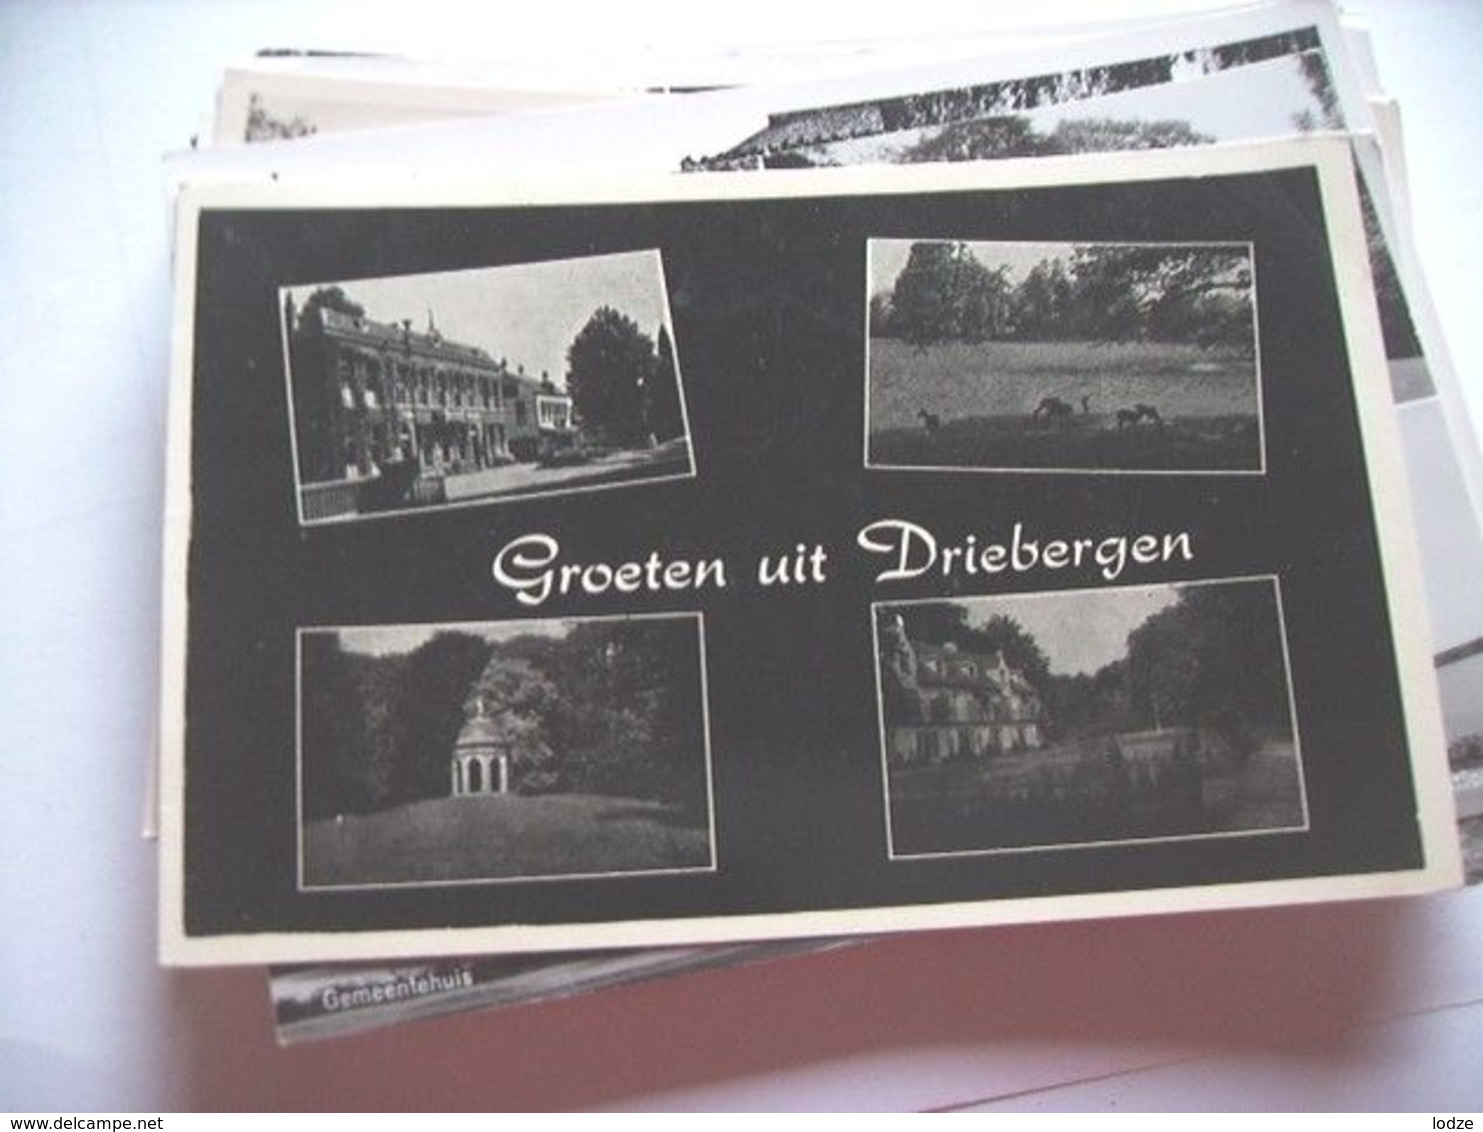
{"x": 1117, "y": 611}
{"x": 282, "y": 99}
{"x": 337, "y": 1000}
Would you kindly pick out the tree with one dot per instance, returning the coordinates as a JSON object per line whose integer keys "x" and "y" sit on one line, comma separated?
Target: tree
{"x": 988, "y": 139}
{"x": 381, "y": 755}
{"x": 666, "y": 417}
{"x": 608, "y": 365}
{"x": 944, "y": 293}
{"x": 1213, "y": 659}
{"x": 1164, "y": 660}
{"x": 332, "y": 735}
{"x": 332, "y": 299}
{"x": 786, "y": 135}
{"x": 984, "y": 300}
{"x": 431, "y": 688}
{"x": 1315, "y": 73}
{"x": 263, "y": 126}
{"x": 1009, "y": 98}
{"x": 1145, "y": 292}
{"x": 1396, "y": 324}
{"x": 980, "y": 139}
{"x": 517, "y": 698}
{"x": 1105, "y": 135}
{"x": 945, "y": 622}
{"x": 882, "y": 316}
{"x": 923, "y": 299}
{"x": 936, "y": 622}
{"x": 900, "y": 700}
{"x": 628, "y": 724}
{"x": 1043, "y": 301}
{"x": 607, "y": 709}
{"x": 1003, "y": 634}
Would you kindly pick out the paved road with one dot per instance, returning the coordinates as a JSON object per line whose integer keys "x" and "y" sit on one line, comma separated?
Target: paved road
{"x": 665, "y": 460}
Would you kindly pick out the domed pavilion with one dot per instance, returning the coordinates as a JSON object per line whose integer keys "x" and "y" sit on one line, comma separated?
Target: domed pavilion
{"x": 481, "y": 760}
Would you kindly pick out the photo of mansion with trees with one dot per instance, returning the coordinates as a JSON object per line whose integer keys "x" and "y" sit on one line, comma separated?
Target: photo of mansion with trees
{"x": 949, "y": 703}
{"x": 1080, "y": 716}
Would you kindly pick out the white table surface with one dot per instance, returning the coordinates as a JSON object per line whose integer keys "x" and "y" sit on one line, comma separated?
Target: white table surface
{"x": 1372, "y": 1005}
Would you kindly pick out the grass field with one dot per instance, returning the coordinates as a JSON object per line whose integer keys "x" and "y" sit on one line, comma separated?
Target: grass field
{"x": 984, "y": 397}
{"x": 1065, "y": 795}
{"x": 501, "y": 836}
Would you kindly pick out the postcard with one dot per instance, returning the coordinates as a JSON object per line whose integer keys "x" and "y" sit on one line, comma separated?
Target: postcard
{"x": 810, "y": 686}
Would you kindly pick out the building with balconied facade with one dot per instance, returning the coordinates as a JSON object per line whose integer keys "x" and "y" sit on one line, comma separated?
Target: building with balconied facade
{"x": 374, "y": 399}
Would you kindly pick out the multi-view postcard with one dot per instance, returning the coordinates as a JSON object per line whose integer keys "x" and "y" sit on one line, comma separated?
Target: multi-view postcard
{"x": 1214, "y": 81}
{"x": 732, "y": 558}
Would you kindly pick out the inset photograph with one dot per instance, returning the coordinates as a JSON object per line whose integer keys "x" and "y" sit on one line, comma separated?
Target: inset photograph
{"x": 1087, "y": 717}
{"x": 1460, "y": 682}
{"x": 1052, "y": 357}
{"x": 460, "y": 387}
{"x": 436, "y": 754}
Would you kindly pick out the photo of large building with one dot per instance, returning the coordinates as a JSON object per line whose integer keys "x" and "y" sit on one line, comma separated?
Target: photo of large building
{"x": 376, "y": 398}
{"x": 1077, "y": 716}
{"x": 958, "y": 703}
{"x": 458, "y": 387}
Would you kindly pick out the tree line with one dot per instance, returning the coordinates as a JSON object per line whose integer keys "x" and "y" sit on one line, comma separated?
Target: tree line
{"x": 1008, "y": 98}
{"x": 1060, "y": 88}
{"x": 608, "y": 709}
{"x": 1016, "y": 135}
{"x": 1111, "y": 293}
{"x": 1212, "y": 660}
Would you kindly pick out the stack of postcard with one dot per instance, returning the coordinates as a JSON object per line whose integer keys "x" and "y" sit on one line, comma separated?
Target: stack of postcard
{"x": 617, "y": 527}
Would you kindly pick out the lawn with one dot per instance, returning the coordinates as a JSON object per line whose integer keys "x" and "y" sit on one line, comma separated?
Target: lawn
{"x": 1085, "y": 443}
{"x": 1067, "y": 794}
{"x": 497, "y": 837}
{"x": 982, "y": 399}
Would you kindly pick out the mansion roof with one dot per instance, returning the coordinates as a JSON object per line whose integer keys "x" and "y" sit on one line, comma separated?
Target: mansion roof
{"x": 429, "y": 344}
{"x": 947, "y": 666}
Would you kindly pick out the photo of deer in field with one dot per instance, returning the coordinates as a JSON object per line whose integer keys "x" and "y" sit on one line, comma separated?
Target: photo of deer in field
{"x": 991, "y": 356}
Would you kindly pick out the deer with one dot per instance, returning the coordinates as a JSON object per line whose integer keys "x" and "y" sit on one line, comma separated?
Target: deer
{"x": 1127, "y": 418}
{"x": 1053, "y": 409}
